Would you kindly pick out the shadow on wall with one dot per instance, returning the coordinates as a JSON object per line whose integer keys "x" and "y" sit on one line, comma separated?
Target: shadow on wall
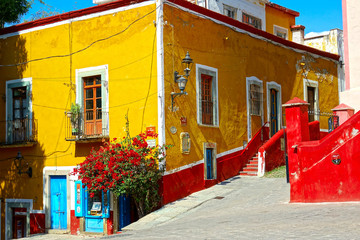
{"x": 13, "y": 55}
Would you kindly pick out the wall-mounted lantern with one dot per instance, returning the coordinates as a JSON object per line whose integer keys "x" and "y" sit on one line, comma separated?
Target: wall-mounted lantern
{"x": 181, "y": 80}
{"x": 20, "y": 167}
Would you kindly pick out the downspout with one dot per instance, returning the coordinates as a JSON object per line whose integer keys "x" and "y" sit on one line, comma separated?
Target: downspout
{"x": 160, "y": 73}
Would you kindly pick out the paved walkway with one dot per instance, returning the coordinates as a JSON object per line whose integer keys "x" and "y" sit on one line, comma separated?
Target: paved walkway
{"x": 245, "y": 208}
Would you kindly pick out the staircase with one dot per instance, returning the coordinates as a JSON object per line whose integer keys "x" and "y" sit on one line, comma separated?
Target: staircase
{"x": 251, "y": 168}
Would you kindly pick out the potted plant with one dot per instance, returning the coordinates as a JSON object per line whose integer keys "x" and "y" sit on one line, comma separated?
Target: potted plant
{"x": 74, "y": 116}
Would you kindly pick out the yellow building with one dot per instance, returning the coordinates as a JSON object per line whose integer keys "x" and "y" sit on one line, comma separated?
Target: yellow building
{"x": 119, "y": 58}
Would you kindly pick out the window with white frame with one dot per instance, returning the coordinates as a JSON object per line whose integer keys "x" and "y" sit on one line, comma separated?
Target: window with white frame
{"x": 251, "y": 20}
{"x": 311, "y": 95}
{"x": 19, "y": 124}
{"x": 280, "y": 32}
{"x": 92, "y": 96}
{"x": 229, "y": 11}
{"x": 207, "y": 95}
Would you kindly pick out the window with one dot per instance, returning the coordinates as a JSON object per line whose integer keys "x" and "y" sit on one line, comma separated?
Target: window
{"x": 255, "y": 99}
{"x": 92, "y": 105}
{"x": 280, "y": 32}
{"x": 18, "y": 112}
{"x": 311, "y": 95}
{"x": 92, "y": 96}
{"x": 207, "y": 95}
{"x": 229, "y": 11}
{"x": 251, "y": 20}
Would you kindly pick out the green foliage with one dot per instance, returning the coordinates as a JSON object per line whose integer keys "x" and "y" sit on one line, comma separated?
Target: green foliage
{"x": 12, "y": 10}
{"x": 126, "y": 167}
{"x": 279, "y": 172}
{"x": 75, "y": 112}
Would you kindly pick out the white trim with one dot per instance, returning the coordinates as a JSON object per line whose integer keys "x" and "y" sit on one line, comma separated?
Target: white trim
{"x": 68, "y": 21}
{"x": 277, "y": 87}
{"x": 82, "y": 72}
{"x": 314, "y": 84}
{"x": 17, "y": 200}
{"x": 6, "y": 97}
{"x": 229, "y": 152}
{"x": 160, "y": 75}
{"x": 324, "y": 130}
{"x": 253, "y": 35}
{"x": 70, "y": 191}
{"x": 213, "y": 146}
{"x": 202, "y": 161}
{"x": 278, "y": 28}
{"x": 249, "y": 81}
{"x": 198, "y": 80}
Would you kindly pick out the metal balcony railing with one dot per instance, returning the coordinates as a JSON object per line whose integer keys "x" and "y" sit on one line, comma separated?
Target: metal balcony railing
{"x": 18, "y": 131}
{"x": 87, "y": 125}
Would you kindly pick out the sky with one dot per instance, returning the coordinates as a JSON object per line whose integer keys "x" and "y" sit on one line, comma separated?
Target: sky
{"x": 315, "y": 15}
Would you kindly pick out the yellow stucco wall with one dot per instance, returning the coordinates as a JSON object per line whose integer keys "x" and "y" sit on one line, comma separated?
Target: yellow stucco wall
{"x": 236, "y": 56}
{"x": 279, "y": 18}
{"x": 131, "y": 59}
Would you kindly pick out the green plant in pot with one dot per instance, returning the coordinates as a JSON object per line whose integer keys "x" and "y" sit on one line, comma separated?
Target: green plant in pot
{"x": 74, "y": 115}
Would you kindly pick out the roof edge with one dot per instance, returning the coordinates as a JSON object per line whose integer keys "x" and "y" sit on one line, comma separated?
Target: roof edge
{"x": 283, "y": 9}
{"x": 68, "y": 15}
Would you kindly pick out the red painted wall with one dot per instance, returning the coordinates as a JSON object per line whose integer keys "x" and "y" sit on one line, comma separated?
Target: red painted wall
{"x": 37, "y": 223}
{"x": 313, "y": 175}
{"x": 110, "y": 224}
{"x": 273, "y": 157}
{"x": 182, "y": 183}
{"x": 74, "y": 223}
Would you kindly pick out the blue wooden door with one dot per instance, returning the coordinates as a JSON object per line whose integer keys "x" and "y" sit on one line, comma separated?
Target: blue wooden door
{"x": 209, "y": 164}
{"x": 58, "y": 204}
{"x": 124, "y": 211}
{"x": 274, "y": 112}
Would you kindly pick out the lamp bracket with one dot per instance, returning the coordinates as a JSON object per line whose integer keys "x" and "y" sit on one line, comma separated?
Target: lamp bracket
{"x": 173, "y": 96}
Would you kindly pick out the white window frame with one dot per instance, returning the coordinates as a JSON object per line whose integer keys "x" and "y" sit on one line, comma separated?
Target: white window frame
{"x": 314, "y": 84}
{"x": 281, "y": 29}
{"x": 91, "y": 71}
{"x": 249, "y": 81}
{"x": 210, "y": 145}
{"x": 22, "y": 203}
{"x": 230, "y": 9}
{"x": 213, "y": 72}
{"x": 277, "y": 87}
{"x": 10, "y": 82}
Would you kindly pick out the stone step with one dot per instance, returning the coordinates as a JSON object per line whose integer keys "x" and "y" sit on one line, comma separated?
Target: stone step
{"x": 253, "y": 162}
{"x": 253, "y": 165}
{"x": 250, "y": 169}
{"x": 242, "y": 173}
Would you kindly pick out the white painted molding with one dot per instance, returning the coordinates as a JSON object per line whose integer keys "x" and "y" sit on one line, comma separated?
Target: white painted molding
{"x": 93, "y": 15}
{"x": 277, "y": 87}
{"x": 314, "y": 84}
{"x": 249, "y": 81}
{"x": 200, "y": 67}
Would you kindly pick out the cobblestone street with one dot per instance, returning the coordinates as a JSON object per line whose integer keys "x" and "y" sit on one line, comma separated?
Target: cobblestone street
{"x": 246, "y": 208}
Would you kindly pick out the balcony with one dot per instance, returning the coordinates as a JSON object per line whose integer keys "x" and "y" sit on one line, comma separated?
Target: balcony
{"x": 87, "y": 126}
{"x": 18, "y": 132}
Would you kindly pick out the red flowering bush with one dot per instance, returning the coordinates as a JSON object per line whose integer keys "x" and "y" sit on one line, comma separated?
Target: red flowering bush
{"x": 127, "y": 167}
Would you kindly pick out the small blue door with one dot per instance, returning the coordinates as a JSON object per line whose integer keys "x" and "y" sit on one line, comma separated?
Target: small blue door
{"x": 209, "y": 164}
{"x": 124, "y": 211}
{"x": 58, "y": 204}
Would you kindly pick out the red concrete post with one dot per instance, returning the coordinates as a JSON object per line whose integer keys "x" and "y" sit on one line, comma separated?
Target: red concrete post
{"x": 297, "y": 130}
{"x": 344, "y": 112}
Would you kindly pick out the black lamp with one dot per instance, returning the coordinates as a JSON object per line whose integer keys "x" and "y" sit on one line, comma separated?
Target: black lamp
{"x": 20, "y": 168}
{"x": 181, "y": 80}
